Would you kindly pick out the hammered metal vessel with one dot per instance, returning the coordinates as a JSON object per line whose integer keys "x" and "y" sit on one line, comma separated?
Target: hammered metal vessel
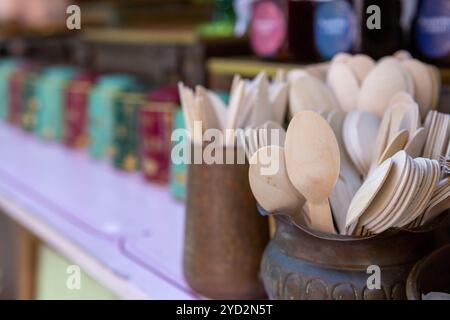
{"x": 300, "y": 263}
{"x": 225, "y": 236}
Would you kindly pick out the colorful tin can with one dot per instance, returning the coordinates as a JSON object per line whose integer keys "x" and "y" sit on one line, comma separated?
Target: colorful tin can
{"x": 102, "y": 99}
{"x": 155, "y": 129}
{"x": 20, "y": 85}
{"x": 178, "y": 169}
{"x": 29, "y": 106}
{"x": 126, "y": 142}
{"x": 76, "y": 110}
{"x": 50, "y": 93}
{"x": 7, "y": 68}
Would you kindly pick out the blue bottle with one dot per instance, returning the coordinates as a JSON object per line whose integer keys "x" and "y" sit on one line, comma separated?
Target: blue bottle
{"x": 335, "y": 27}
{"x": 431, "y": 31}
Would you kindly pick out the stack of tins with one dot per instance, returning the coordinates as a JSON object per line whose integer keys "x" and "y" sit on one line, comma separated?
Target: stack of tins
{"x": 76, "y": 112}
{"x": 7, "y": 67}
{"x": 20, "y": 93}
{"x": 102, "y": 99}
{"x": 126, "y": 141}
{"x": 155, "y": 129}
{"x": 50, "y": 93}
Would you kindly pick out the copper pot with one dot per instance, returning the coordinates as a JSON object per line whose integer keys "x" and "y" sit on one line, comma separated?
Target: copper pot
{"x": 300, "y": 263}
{"x": 225, "y": 236}
{"x": 431, "y": 274}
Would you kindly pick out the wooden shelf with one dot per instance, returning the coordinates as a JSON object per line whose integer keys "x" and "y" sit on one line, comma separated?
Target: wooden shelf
{"x": 250, "y": 66}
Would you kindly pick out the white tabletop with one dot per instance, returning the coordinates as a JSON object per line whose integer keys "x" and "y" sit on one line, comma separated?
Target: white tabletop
{"x": 125, "y": 232}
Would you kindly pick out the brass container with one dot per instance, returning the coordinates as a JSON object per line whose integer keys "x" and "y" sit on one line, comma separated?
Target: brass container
{"x": 300, "y": 263}
{"x": 431, "y": 274}
{"x": 225, "y": 236}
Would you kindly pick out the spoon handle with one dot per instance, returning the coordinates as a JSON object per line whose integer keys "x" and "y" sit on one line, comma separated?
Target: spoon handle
{"x": 320, "y": 216}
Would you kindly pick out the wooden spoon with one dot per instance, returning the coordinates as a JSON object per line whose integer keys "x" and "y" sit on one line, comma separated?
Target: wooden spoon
{"x": 361, "y": 65}
{"x": 272, "y": 188}
{"x": 211, "y": 119}
{"x": 262, "y": 111}
{"x": 348, "y": 171}
{"x": 396, "y": 144}
{"x": 219, "y": 107}
{"x": 384, "y": 81}
{"x": 402, "y": 96}
{"x": 414, "y": 147}
{"x": 235, "y": 106}
{"x": 436, "y": 79}
{"x": 343, "y": 82}
{"x": 309, "y": 93}
{"x": 423, "y": 84}
{"x": 313, "y": 162}
{"x": 278, "y": 101}
{"x": 369, "y": 189}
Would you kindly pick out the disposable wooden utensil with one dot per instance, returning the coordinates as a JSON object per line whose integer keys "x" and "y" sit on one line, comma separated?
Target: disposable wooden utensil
{"x": 344, "y": 83}
{"x": 276, "y": 135}
{"x": 395, "y": 145}
{"x": 280, "y": 76}
{"x": 351, "y": 137}
{"x": 411, "y": 120}
{"x": 402, "y": 55}
{"x": 278, "y": 101}
{"x": 251, "y": 142}
{"x": 340, "y": 199}
{"x": 347, "y": 171}
{"x": 369, "y": 189}
{"x": 184, "y": 106}
{"x": 367, "y": 125}
{"x": 436, "y": 80}
{"x": 401, "y": 97}
{"x": 219, "y": 107}
{"x": 313, "y": 162}
{"x": 309, "y": 93}
{"x": 396, "y": 209}
{"x": 442, "y": 136}
{"x": 234, "y": 83}
{"x": 414, "y": 147}
{"x": 410, "y": 88}
{"x": 402, "y": 118}
{"x": 349, "y": 181}
{"x": 426, "y": 174}
{"x": 436, "y": 208}
{"x": 385, "y": 80}
{"x": 423, "y": 84}
{"x": 209, "y": 112}
{"x": 385, "y": 195}
{"x": 270, "y": 184}
{"x": 235, "y": 106}
{"x": 430, "y": 125}
{"x": 433, "y": 174}
{"x": 381, "y": 140}
{"x": 429, "y": 197}
{"x": 293, "y": 74}
{"x": 262, "y": 111}
{"x": 361, "y": 65}
{"x": 341, "y": 57}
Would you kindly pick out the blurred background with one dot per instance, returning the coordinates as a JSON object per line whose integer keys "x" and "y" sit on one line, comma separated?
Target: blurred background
{"x": 131, "y": 54}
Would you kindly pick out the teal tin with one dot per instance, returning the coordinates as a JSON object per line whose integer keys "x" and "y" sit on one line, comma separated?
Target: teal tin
{"x": 102, "y": 101}
{"x": 178, "y": 169}
{"x": 126, "y": 138}
{"x": 30, "y": 103}
{"x": 50, "y": 94}
{"x": 7, "y": 68}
